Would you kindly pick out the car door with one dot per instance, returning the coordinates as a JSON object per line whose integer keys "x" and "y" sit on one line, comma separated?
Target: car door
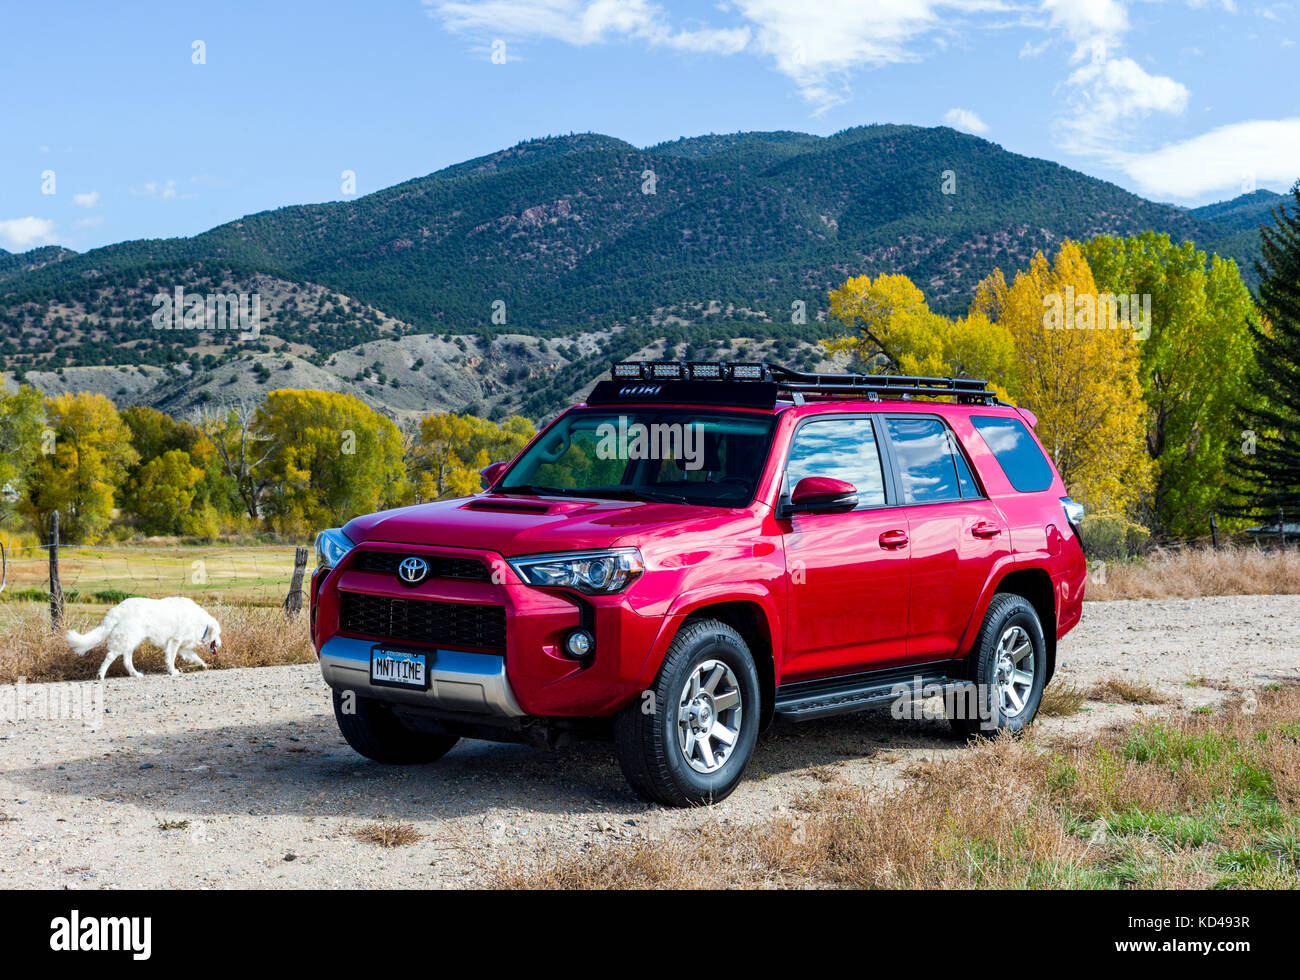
{"x": 957, "y": 534}
{"x": 847, "y": 571}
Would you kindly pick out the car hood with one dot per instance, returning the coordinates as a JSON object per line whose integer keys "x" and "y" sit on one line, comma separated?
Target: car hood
{"x": 513, "y": 525}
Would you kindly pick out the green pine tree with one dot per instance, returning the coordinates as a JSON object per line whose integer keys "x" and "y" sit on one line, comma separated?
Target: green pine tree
{"x": 1269, "y": 477}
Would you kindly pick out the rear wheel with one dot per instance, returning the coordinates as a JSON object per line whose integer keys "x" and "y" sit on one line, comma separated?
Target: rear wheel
{"x": 378, "y": 734}
{"x": 1009, "y": 668}
{"x": 690, "y": 741}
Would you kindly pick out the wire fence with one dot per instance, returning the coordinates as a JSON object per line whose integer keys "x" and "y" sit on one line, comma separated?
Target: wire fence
{"x": 254, "y": 575}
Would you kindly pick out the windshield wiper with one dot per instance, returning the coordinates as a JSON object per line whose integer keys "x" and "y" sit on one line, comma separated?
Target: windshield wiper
{"x": 654, "y": 496}
{"x": 631, "y": 493}
{"x": 536, "y": 491}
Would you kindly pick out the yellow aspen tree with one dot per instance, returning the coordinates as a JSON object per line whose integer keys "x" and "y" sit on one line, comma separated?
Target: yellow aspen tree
{"x": 1077, "y": 370}
{"x": 889, "y": 327}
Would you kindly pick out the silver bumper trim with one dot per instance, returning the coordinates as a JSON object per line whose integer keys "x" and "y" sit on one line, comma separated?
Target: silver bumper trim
{"x": 467, "y": 683}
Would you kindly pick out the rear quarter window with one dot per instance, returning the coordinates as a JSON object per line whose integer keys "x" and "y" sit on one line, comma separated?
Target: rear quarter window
{"x": 1016, "y": 451}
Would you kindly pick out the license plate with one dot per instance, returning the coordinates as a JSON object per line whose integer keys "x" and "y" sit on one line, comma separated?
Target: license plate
{"x": 399, "y": 668}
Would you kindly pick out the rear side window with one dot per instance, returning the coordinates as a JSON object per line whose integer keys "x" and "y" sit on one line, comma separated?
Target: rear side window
{"x": 1017, "y": 452}
{"x": 932, "y": 469}
{"x": 842, "y": 448}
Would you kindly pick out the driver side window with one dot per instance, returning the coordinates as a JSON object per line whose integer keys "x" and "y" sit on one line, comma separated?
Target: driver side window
{"x": 841, "y": 448}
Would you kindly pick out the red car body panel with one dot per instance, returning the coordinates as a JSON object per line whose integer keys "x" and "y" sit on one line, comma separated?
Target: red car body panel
{"x": 835, "y": 593}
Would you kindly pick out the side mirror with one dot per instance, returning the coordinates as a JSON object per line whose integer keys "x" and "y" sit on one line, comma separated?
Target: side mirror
{"x": 491, "y": 472}
{"x": 814, "y": 494}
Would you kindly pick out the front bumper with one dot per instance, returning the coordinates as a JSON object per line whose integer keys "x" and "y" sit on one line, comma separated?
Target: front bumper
{"x": 459, "y": 682}
{"x": 527, "y": 675}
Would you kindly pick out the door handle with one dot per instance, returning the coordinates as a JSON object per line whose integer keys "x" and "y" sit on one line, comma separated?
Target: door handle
{"x": 893, "y": 539}
{"x": 985, "y": 529}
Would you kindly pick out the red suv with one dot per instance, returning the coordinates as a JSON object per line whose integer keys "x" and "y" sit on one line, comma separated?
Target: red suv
{"x": 697, "y": 549}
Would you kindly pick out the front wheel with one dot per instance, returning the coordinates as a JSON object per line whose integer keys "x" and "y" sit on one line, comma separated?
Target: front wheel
{"x": 689, "y": 742}
{"x": 1008, "y": 667}
{"x": 378, "y": 734}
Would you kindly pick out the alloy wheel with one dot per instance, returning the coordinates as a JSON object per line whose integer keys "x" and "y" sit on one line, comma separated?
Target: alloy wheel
{"x": 708, "y": 716}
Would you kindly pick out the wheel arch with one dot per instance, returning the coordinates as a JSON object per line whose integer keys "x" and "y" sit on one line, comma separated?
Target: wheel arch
{"x": 748, "y": 618}
{"x": 1035, "y": 585}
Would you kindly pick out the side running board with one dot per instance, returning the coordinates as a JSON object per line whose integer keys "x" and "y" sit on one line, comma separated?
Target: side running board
{"x": 806, "y": 700}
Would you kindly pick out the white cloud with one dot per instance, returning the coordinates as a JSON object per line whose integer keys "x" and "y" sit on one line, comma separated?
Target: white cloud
{"x": 20, "y": 234}
{"x": 87, "y": 200}
{"x": 165, "y": 192}
{"x": 816, "y": 43}
{"x": 582, "y": 23}
{"x": 1113, "y": 91}
{"x": 1228, "y": 159}
{"x": 1095, "y": 26}
{"x": 965, "y": 120}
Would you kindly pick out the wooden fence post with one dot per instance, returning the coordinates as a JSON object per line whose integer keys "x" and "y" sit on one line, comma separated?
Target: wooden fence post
{"x": 293, "y": 601}
{"x": 56, "y": 590}
{"x": 1214, "y": 531}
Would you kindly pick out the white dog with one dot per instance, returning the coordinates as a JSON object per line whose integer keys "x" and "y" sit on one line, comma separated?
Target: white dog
{"x": 177, "y": 625}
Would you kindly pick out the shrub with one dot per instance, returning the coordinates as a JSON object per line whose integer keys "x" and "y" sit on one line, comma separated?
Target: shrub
{"x": 1112, "y": 536}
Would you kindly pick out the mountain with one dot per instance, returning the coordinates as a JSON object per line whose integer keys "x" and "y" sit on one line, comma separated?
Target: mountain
{"x": 1244, "y": 213}
{"x": 709, "y": 238}
{"x": 1240, "y": 218}
{"x": 16, "y": 264}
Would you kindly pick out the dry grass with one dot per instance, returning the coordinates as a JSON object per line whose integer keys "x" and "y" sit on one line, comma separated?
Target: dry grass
{"x": 1118, "y": 690}
{"x": 1060, "y": 699}
{"x": 387, "y": 834}
{"x": 1191, "y": 801}
{"x": 1186, "y": 573}
{"x": 244, "y": 574}
{"x": 252, "y": 636}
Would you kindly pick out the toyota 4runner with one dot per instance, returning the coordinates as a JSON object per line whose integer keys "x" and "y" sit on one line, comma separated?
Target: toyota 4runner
{"x": 697, "y": 549}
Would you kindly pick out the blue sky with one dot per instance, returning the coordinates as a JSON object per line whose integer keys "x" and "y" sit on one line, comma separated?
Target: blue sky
{"x": 1180, "y": 101}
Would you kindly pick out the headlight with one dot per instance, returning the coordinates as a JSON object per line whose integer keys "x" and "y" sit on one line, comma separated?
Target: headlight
{"x": 591, "y": 572}
{"x": 331, "y": 546}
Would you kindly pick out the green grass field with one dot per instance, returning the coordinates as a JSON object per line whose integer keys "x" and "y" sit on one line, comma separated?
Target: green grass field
{"x": 244, "y": 575}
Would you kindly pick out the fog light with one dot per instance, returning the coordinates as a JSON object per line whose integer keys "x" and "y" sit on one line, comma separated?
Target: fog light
{"x": 579, "y": 643}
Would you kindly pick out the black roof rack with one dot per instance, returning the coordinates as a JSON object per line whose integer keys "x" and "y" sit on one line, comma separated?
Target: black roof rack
{"x": 873, "y": 387}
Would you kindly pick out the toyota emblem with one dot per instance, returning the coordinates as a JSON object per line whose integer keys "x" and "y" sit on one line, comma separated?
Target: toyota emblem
{"x": 412, "y": 570}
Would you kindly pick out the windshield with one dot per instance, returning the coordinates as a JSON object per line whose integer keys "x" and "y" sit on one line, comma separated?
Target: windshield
{"x": 677, "y": 456}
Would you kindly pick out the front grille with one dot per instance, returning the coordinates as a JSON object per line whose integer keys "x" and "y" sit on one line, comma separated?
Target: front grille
{"x": 440, "y": 566}
{"x": 422, "y": 621}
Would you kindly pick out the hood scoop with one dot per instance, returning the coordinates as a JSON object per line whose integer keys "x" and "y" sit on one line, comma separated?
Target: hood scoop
{"x": 515, "y": 505}
{"x": 507, "y": 506}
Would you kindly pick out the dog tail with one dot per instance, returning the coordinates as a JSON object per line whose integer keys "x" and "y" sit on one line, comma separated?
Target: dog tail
{"x": 83, "y": 643}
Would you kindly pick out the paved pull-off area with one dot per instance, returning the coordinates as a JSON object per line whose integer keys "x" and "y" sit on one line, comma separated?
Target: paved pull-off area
{"x": 257, "y": 789}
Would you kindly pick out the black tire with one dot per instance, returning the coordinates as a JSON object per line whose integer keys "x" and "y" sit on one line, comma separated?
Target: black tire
{"x": 1005, "y": 613}
{"x": 647, "y": 741}
{"x": 378, "y": 734}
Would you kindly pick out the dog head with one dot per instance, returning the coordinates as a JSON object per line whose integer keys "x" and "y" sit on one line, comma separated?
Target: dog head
{"x": 212, "y": 635}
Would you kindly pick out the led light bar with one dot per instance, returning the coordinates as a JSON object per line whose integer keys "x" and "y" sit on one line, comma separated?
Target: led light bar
{"x": 627, "y": 371}
{"x": 665, "y": 371}
{"x": 690, "y": 371}
{"x": 704, "y": 371}
{"x": 745, "y": 371}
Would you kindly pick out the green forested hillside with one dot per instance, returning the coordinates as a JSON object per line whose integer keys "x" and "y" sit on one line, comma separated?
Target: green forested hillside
{"x": 709, "y": 236}
{"x": 1244, "y": 213}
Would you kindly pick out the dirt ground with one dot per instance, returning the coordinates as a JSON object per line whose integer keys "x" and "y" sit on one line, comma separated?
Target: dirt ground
{"x": 239, "y": 778}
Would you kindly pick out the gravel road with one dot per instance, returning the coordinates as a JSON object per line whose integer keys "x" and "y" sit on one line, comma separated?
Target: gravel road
{"x": 259, "y": 790}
